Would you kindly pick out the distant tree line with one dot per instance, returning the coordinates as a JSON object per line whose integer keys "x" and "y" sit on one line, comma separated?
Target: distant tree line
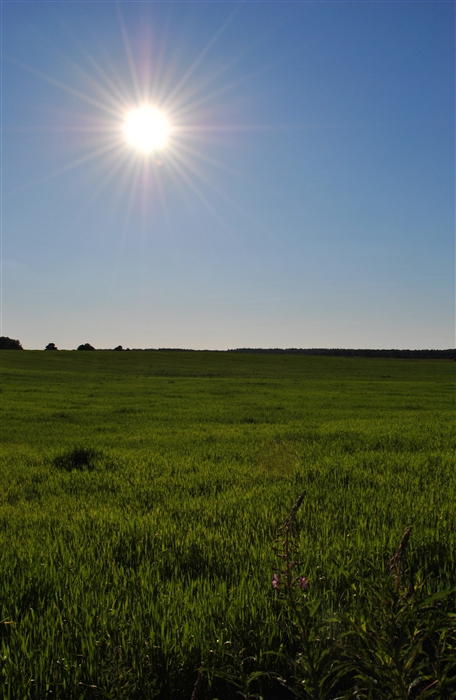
{"x": 450, "y": 354}
{"x": 85, "y": 346}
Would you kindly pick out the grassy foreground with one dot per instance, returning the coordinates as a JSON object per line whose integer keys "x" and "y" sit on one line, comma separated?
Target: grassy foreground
{"x": 141, "y": 494}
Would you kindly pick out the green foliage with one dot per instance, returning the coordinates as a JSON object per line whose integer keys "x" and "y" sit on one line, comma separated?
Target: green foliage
{"x": 9, "y": 343}
{"x": 77, "y": 458}
{"x": 400, "y": 640}
{"x": 387, "y": 639}
{"x": 140, "y": 496}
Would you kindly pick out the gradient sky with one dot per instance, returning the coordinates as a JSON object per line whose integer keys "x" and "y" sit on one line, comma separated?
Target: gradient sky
{"x": 306, "y": 197}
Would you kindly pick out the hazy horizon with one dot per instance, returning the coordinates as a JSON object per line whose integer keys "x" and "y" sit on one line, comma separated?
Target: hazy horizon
{"x": 278, "y": 349}
{"x": 303, "y": 199}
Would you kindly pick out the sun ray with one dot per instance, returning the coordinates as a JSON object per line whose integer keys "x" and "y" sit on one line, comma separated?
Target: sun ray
{"x": 121, "y": 161}
{"x": 212, "y": 161}
{"x": 209, "y": 182}
{"x": 110, "y": 91}
{"x": 229, "y": 200}
{"x": 127, "y": 152}
{"x": 178, "y": 87}
{"x": 164, "y": 202}
{"x": 66, "y": 88}
{"x": 102, "y": 150}
{"x": 160, "y": 83}
{"x": 210, "y": 208}
{"x": 210, "y": 96}
{"x": 117, "y": 92}
{"x": 134, "y": 181}
{"x": 131, "y": 64}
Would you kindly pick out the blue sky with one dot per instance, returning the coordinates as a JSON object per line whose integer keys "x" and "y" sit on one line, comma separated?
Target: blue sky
{"x": 305, "y": 197}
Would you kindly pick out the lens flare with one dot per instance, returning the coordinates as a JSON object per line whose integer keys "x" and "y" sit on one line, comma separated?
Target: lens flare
{"x": 147, "y": 129}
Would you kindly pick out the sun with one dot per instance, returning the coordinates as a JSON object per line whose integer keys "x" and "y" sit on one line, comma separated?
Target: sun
{"x": 147, "y": 129}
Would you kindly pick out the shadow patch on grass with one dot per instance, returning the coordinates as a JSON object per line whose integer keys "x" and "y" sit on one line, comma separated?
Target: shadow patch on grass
{"x": 79, "y": 458}
{"x": 62, "y": 416}
{"x": 125, "y": 410}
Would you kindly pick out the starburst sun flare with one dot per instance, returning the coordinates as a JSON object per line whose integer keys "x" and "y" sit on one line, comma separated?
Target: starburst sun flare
{"x": 147, "y": 129}
{"x": 126, "y": 122}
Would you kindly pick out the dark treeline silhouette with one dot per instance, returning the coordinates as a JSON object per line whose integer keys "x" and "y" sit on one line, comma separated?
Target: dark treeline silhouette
{"x": 9, "y": 344}
{"x": 449, "y": 354}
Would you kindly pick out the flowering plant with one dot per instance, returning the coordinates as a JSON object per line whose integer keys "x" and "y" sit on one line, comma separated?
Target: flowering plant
{"x": 317, "y": 666}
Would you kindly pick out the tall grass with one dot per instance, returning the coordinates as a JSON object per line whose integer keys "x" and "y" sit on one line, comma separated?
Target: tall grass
{"x": 140, "y": 497}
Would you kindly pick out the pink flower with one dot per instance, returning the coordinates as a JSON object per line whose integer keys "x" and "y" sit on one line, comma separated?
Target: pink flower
{"x": 303, "y": 583}
{"x": 276, "y": 581}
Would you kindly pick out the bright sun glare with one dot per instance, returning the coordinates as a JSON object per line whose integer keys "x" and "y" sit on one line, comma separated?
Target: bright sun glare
{"x": 147, "y": 129}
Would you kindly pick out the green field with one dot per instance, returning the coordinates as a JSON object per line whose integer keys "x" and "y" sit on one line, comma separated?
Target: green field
{"x": 140, "y": 498}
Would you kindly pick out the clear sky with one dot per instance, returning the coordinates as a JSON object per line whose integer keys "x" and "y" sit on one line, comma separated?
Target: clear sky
{"x": 304, "y": 196}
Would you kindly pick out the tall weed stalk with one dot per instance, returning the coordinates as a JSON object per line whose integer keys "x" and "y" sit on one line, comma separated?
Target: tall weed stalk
{"x": 391, "y": 640}
{"x": 400, "y": 639}
{"x": 317, "y": 667}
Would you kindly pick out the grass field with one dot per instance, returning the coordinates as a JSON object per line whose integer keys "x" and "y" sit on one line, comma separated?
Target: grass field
{"x": 140, "y": 497}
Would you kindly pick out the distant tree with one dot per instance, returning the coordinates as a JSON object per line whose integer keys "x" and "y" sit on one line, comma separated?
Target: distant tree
{"x": 119, "y": 347}
{"x": 51, "y": 346}
{"x": 9, "y": 344}
{"x": 86, "y": 346}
